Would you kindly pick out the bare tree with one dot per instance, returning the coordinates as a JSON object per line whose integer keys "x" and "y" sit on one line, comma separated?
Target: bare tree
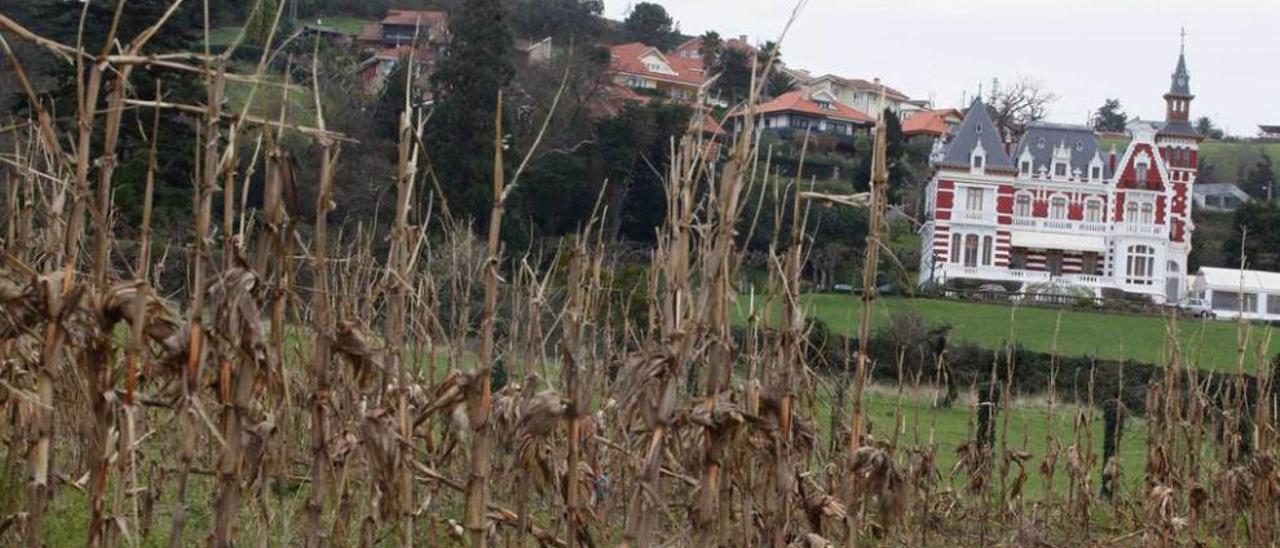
{"x": 1027, "y": 100}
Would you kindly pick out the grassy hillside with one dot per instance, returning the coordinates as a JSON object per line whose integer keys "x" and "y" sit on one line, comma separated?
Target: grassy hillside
{"x": 1229, "y": 162}
{"x": 1211, "y": 343}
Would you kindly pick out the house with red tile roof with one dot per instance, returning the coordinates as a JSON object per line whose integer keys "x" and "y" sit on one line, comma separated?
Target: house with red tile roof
{"x": 809, "y": 109}
{"x": 861, "y": 94}
{"x": 692, "y": 48}
{"x": 649, "y": 71}
{"x": 375, "y": 70}
{"x": 398, "y": 28}
{"x": 938, "y": 124}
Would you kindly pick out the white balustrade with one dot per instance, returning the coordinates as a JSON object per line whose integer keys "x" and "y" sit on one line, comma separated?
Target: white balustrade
{"x": 977, "y": 216}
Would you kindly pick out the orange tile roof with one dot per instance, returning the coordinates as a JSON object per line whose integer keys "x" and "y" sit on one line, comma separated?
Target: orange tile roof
{"x": 370, "y": 32}
{"x": 800, "y": 101}
{"x": 627, "y": 59}
{"x": 612, "y": 99}
{"x": 412, "y": 17}
{"x": 925, "y": 122}
{"x": 710, "y": 125}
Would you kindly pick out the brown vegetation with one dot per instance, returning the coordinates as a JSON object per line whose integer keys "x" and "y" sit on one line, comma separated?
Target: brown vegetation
{"x": 303, "y": 363}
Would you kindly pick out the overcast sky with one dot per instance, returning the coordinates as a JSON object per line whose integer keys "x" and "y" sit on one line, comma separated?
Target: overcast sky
{"x": 1083, "y": 50}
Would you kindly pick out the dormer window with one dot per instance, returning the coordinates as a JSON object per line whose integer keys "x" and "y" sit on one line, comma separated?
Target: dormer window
{"x": 1141, "y": 170}
{"x": 977, "y": 158}
{"x": 1059, "y": 170}
{"x": 824, "y": 105}
{"x": 1025, "y": 168}
{"x": 1095, "y": 173}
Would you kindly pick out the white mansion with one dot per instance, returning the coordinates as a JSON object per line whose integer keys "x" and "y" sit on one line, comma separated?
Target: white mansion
{"x": 1058, "y": 209}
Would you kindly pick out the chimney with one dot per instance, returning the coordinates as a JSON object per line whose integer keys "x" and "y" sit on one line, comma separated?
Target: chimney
{"x": 743, "y": 38}
{"x": 876, "y": 80}
{"x": 1111, "y": 162}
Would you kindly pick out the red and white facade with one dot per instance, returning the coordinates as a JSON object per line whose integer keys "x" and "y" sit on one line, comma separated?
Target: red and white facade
{"x": 1058, "y": 209}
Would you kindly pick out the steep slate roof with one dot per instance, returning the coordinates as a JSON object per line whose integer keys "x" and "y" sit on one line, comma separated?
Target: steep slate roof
{"x": 629, "y": 59}
{"x": 977, "y": 128}
{"x": 801, "y": 101}
{"x": 1181, "y": 129}
{"x": 1180, "y": 79}
{"x": 1041, "y": 139}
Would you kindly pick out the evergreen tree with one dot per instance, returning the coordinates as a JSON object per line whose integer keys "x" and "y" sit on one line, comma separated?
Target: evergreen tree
{"x": 60, "y": 21}
{"x": 1261, "y": 242}
{"x": 712, "y": 47}
{"x": 1109, "y": 117}
{"x": 259, "y": 27}
{"x": 649, "y": 23}
{"x": 565, "y": 21}
{"x": 896, "y": 156}
{"x": 1205, "y": 127}
{"x": 1260, "y": 179}
{"x": 779, "y": 83}
{"x": 466, "y": 84}
{"x": 733, "y": 75}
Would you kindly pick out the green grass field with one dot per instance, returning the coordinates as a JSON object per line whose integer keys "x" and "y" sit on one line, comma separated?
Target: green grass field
{"x": 1117, "y": 336}
{"x": 1231, "y": 161}
{"x": 349, "y": 25}
{"x": 922, "y": 424}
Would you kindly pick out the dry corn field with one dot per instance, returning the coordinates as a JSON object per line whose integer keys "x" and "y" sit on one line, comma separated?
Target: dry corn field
{"x": 310, "y": 385}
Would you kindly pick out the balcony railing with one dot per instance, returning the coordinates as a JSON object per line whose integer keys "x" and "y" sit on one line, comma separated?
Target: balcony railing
{"x": 1063, "y": 225}
{"x": 1019, "y": 275}
{"x": 976, "y": 216}
{"x": 1059, "y": 224}
{"x": 1141, "y": 229}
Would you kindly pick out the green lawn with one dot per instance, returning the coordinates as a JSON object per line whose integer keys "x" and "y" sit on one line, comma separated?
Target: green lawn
{"x": 1230, "y": 162}
{"x": 349, "y": 25}
{"x": 1116, "y": 336}
{"x": 220, "y": 37}
{"x": 924, "y": 424}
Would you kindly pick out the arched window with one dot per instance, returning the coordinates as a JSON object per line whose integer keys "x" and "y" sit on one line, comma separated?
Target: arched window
{"x": 1141, "y": 264}
{"x": 1093, "y": 211}
{"x": 1131, "y": 213}
{"x": 986, "y": 250}
{"x": 1058, "y": 208}
{"x": 955, "y": 248}
{"x": 1148, "y": 214}
{"x": 971, "y": 250}
{"x": 1022, "y": 205}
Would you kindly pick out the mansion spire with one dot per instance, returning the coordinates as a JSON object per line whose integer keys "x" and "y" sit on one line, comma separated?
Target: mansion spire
{"x": 1178, "y": 100}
